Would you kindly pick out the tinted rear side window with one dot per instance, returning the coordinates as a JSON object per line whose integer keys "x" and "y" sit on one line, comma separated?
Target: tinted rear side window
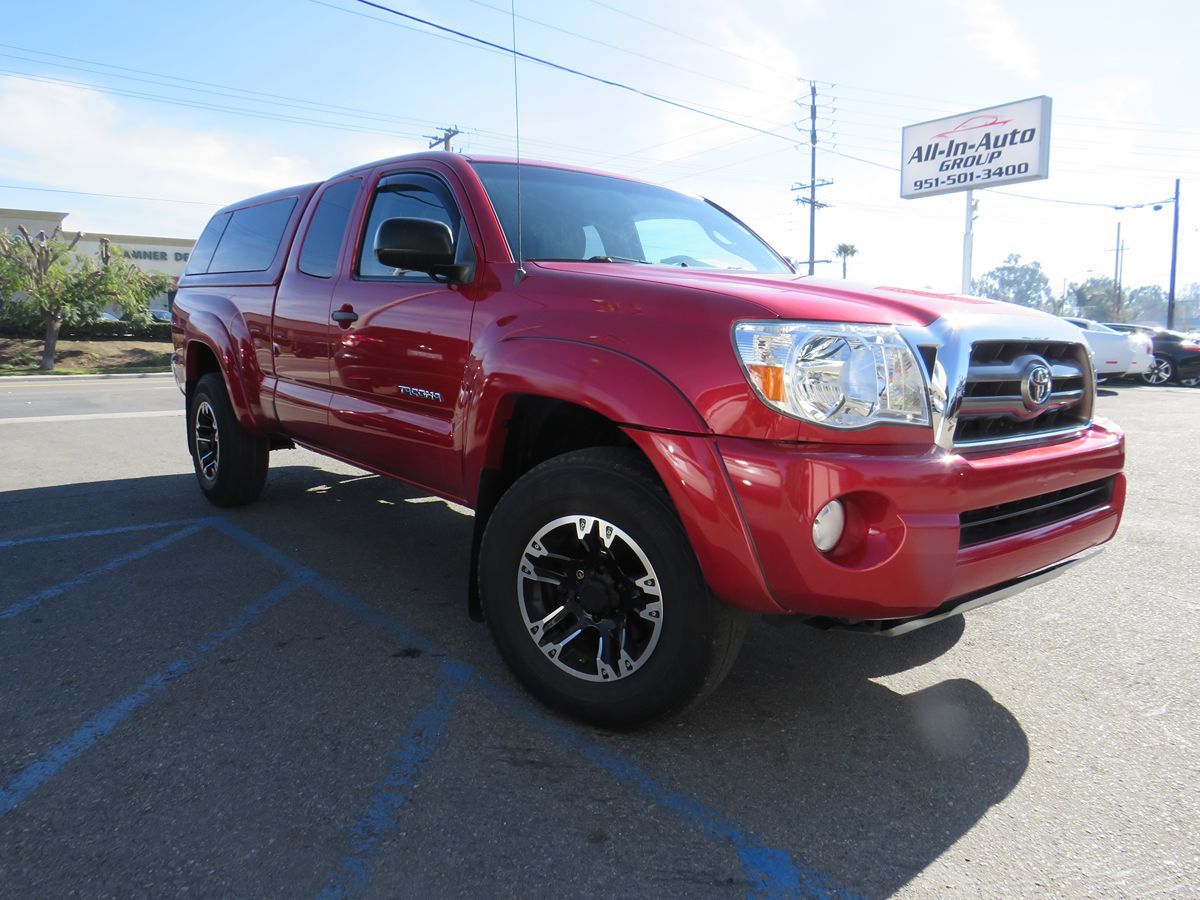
{"x": 252, "y": 237}
{"x": 323, "y": 241}
{"x": 203, "y": 251}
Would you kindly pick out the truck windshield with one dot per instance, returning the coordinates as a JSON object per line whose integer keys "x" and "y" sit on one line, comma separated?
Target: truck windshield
{"x": 580, "y": 217}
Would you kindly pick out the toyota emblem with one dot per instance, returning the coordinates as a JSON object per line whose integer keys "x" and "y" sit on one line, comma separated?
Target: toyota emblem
{"x": 1037, "y": 386}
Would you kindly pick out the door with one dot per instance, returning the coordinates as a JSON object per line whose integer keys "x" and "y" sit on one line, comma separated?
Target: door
{"x": 300, "y": 328}
{"x": 400, "y": 350}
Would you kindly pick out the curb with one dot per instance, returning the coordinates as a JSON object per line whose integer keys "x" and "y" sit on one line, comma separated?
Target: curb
{"x": 99, "y": 377}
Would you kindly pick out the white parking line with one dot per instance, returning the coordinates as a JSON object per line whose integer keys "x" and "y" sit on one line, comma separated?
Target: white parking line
{"x": 85, "y": 417}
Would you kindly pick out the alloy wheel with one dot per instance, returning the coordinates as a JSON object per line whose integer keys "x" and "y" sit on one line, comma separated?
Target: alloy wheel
{"x": 208, "y": 441}
{"x": 1160, "y": 372}
{"x": 590, "y": 599}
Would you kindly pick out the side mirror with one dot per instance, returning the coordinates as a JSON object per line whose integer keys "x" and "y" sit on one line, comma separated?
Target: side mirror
{"x": 419, "y": 245}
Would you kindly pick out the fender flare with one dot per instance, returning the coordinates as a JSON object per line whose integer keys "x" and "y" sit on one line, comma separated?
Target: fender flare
{"x": 237, "y": 361}
{"x": 620, "y": 387}
{"x": 657, "y": 417}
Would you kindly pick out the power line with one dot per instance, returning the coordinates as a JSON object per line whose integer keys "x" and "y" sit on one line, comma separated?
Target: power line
{"x": 196, "y": 104}
{"x": 18, "y": 187}
{"x": 1011, "y": 193}
{"x": 619, "y": 49}
{"x": 157, "y": 79}
{"x": 298, "y": 102}
{"x": 695, "y": 40}
{"x": 572, "y": 71}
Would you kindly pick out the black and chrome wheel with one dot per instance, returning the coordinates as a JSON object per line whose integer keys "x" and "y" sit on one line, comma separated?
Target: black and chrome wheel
{"x": 589, "y": 598}
{"x": 591, "y": 590}
{"x": 1190, "y": 381}
{"x": 208, "y": 443}
{"x": 1161, "y": 371}
{"x": 230, "y": 462}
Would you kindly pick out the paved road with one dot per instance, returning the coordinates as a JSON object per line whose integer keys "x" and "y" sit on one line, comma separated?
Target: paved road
{"x": 54, "y": 397}
{"x": 288, "y": 699}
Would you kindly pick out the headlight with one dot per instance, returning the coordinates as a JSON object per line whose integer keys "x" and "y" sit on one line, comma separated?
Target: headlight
{"x": 834, "y": 374}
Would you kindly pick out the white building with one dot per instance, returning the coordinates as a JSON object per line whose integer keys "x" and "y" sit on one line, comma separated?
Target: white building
{"x": 168, "y": 256}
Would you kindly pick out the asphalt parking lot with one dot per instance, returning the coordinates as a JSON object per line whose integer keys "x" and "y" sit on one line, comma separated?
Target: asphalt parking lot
{"x": 289, "y": 700}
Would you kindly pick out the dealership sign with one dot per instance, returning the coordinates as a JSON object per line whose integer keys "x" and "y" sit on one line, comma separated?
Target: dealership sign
{"x": 985, "y": 148}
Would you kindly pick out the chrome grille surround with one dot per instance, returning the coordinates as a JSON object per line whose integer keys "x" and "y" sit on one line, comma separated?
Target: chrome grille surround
{"x": 978, "y": 365}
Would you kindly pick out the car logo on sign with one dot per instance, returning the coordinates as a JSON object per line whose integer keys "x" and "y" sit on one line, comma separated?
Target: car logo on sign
{"x": 1037, "y": 386}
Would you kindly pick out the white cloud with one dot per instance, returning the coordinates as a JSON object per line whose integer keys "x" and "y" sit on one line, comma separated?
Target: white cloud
{"x": 78, "y": 139}
{"x": 995, "y": 34}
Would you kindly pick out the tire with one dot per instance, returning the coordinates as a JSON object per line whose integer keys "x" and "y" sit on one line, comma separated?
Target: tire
{"x": 1190, "y": 381}
{"x": 230, "y": 462}
{"x": 553, "y": 591}
{"x": 1162, "y": 370}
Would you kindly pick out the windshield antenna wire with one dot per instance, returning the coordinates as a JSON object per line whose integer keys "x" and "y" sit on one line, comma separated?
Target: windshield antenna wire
{"x": 521, "y": 273}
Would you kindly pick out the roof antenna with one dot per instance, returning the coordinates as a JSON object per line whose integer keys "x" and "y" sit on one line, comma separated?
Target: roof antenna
{"x": 521, "y": 273}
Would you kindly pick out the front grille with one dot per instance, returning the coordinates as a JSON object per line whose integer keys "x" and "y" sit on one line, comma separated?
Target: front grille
{"x": 994, "y": 407}
{"x": 992, "y": 522}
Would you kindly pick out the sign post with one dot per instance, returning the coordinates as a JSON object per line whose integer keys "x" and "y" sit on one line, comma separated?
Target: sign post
{"x": 984, "y": 148}
{"x": 968, "y": 242}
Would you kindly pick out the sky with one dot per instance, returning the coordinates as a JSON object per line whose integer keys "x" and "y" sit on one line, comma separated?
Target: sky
{"x": 192, "y": 106}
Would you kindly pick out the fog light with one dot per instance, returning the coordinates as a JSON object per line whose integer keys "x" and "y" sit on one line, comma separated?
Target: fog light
{"x": 828, "y": 526}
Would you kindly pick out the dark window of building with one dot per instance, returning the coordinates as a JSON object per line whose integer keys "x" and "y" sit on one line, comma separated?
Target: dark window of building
{"x": 203, "y": 251}
{"x": 319, "y": 255}
{"x": 410, "y": 197}
{"x": 252, "y": 237}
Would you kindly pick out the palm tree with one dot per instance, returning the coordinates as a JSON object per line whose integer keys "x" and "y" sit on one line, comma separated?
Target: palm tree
{"x": 845, "y": 251}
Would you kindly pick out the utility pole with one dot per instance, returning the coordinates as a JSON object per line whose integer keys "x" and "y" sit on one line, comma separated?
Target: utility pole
{"x": 813, "y": 183}
{"x": 969, "y": 240}
{"x": 443, "y": 138}
{"x": 1117, "y": 275}
{"x": 1174, "y": 258}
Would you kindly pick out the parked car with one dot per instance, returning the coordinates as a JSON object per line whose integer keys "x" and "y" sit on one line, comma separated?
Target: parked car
{"x": 1115, "y": 354}
{"x": 161, "y": 315}
{"x": 1176, "y": 356}
{"x": 659, "y": 424}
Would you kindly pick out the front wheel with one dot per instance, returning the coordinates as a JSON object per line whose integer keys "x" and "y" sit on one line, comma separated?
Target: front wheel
{"x": 1161, "y": 371}
{"x": 593, "y": 594}
{"x": 230, "y": 462}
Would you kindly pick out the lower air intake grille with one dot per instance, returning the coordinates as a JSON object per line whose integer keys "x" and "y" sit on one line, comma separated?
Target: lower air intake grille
{"x": 992, "y": 522}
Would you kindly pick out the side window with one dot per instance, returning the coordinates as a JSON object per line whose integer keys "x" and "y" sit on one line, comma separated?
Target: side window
{"x": 408, "y": 197}
{"x": 323, "y": 241}
{"x": 252, "y": 237}
{"x": 203, "y": 251}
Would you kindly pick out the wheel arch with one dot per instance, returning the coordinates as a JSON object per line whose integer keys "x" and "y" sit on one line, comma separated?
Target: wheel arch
{"x": 210, "y": 346}
{"x": 518, "y": 422}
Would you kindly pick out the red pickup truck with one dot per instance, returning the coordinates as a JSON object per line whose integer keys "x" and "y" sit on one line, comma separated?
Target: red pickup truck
{"x": 659, "y": 424}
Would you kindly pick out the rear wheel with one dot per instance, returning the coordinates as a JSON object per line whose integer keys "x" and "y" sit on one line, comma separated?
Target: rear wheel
{"x": 1161, "y": 371}
{"x": 230, "y": 462}
{"x": 593, "y": 594}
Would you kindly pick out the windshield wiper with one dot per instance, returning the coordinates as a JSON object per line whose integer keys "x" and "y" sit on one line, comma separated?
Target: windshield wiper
{"x": 613, "y": 259}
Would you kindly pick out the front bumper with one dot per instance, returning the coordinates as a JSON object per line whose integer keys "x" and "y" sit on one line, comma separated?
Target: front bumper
{"x": 901, "y": 555}
{"x": 748, "y": 508}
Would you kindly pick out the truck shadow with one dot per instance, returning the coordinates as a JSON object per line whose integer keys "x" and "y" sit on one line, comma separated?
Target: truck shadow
{"x": 862, "y": 782}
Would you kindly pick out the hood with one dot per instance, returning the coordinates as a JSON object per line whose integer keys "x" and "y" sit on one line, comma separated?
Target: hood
{"x": 806, "y": 297}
